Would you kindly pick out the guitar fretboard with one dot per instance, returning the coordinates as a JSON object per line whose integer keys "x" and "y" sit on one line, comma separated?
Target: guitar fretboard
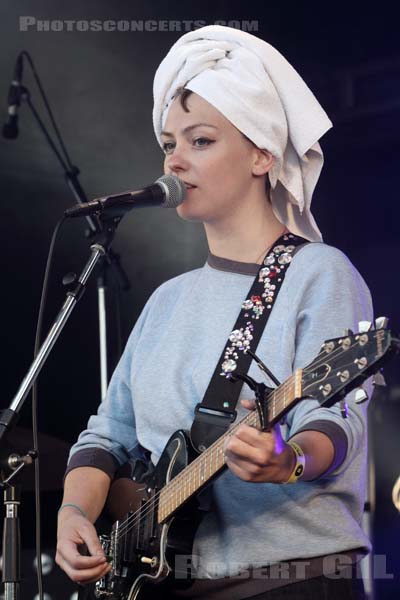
{"x": 195, "y": 476}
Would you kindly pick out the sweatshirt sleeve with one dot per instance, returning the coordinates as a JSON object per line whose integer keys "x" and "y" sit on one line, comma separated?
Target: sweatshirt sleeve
{"x": 331, "y": 297}
{"x": 110, "y": 439}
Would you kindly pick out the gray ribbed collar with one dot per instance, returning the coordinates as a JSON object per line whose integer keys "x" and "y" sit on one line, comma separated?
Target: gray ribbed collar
{"x": 232, "y": 266}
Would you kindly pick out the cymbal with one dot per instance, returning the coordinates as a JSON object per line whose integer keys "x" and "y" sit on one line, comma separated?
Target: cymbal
{"x": 53, "y": 454}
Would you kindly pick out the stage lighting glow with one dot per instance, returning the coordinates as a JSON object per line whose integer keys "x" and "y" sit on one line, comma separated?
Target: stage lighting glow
{"x": 47, "y": 563}
{"x": 396, "y": 494}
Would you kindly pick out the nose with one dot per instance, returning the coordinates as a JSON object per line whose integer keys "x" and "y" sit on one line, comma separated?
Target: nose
{"x": 175, "y": 162}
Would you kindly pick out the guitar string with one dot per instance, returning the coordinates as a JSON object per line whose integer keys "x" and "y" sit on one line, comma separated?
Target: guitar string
{"x": 133, "y": 519}
{"x": 175, "y": 482}
{"x": 274, "y": 397}
{"x": 127, "y": 525}
{"x": 136, "y": 517}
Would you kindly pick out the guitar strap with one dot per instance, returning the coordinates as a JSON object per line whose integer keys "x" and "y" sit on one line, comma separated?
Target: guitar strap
{"x": 217, "y": 410}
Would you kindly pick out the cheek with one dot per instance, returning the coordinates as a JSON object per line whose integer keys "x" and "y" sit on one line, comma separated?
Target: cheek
{"x": 233, "y": 176}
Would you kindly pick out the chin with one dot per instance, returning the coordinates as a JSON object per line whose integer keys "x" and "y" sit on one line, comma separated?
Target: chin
{"x": 190, "y": 213}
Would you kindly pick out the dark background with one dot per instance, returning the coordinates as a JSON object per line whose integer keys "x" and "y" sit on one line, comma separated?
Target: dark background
{"x": 99, "y": 85}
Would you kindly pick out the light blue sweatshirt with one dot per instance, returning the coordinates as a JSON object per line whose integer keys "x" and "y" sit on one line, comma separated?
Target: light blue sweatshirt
{"x": 166, "y": 367}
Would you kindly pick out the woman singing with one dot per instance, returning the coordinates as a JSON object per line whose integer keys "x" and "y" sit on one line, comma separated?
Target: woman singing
{"x": 240, "y": 128}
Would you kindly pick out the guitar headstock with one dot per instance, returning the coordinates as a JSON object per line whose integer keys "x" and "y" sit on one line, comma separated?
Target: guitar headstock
{"x": 344, "y": 363}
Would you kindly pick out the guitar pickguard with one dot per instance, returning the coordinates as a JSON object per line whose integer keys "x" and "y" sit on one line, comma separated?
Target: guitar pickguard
{"x": 141, "y": 549}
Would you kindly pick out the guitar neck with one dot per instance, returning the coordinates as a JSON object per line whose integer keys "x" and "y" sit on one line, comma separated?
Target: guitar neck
{"x": 207, "y": 465}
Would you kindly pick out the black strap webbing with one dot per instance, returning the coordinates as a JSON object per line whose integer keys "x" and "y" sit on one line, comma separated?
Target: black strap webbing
{"x": 218, "y": 408}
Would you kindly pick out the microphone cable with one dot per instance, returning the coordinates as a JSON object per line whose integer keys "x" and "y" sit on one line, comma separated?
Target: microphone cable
{"x": 65, "y": 160}
{"x": 38, "y": 336}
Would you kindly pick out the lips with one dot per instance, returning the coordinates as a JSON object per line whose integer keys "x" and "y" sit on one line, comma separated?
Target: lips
{"x": 189, "y": 186}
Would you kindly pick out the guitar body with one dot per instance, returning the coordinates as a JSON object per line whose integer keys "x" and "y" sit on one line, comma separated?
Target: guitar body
{"x": 142, "y": 550}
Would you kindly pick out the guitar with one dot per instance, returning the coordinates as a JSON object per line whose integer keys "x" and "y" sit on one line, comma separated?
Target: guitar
{"x": 162, "y": 515}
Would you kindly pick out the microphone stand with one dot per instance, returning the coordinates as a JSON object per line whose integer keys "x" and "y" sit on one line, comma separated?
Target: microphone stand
{"x": 102, "y": 254}
{"x": 11, "y": 567}
{"x": 110, "y": 259}
{"x": 8, "y": 417}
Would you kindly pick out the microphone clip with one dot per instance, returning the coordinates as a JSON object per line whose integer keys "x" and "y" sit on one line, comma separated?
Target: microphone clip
{"x": 17, "y": 93}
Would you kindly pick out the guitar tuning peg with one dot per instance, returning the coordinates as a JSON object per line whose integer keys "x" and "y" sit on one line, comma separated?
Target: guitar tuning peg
{"x": 360, "y": 395}
{"x": 378, "y": 379}
{"x": 364, "y": 326}
{"x": 381, "y": 322}
{"x": 348, "y": 332}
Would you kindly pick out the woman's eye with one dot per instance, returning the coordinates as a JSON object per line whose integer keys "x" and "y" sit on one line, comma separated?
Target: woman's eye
{"x": 199, "y": 142}
{"x": 202, "y": 142}
{"x": 168, "y": 147}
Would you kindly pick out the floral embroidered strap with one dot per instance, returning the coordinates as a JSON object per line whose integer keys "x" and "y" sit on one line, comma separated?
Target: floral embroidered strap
{"x": 217, "y": 410}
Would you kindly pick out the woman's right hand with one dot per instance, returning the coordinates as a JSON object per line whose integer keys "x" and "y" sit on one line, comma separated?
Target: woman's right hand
{"x": 74, "y": 530}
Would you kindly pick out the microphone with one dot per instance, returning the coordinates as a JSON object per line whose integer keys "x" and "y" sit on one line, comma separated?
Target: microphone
{"x": 10, "y": 128}
{"x": 168, "y": 192}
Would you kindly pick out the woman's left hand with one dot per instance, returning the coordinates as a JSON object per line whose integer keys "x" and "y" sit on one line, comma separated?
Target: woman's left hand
{"x": 259, "y": 456}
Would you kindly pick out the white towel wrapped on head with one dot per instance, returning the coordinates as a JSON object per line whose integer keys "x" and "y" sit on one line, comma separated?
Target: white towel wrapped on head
{"x": 262, "y": 95}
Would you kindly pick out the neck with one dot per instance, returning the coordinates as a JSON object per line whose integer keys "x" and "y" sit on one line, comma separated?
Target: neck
{"x": 246, "y": 239}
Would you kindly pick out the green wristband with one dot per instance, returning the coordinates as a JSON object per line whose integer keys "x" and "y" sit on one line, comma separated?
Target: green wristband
{"x": 73, "y": 506}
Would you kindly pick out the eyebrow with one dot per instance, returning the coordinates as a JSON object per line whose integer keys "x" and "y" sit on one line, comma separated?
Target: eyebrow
{"x": 190, "y": 127}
